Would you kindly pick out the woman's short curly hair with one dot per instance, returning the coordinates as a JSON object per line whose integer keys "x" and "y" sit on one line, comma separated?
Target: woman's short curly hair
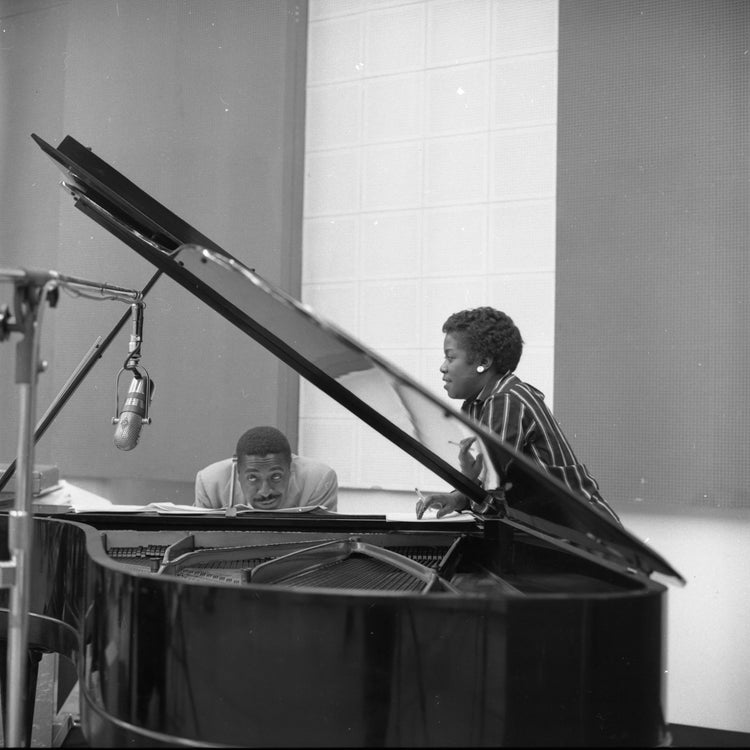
{"x": 260, "y": 441}
{"x": 486, "y": 332}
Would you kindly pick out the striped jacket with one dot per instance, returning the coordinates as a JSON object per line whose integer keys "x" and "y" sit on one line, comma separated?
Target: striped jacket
{"x": 517, "y": 413}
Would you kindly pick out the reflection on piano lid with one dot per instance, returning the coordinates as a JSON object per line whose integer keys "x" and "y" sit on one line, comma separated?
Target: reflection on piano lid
{"x": 375, "y": 390}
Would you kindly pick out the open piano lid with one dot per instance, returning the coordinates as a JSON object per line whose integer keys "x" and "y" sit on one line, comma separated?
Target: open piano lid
{"x": 375, "y": 390}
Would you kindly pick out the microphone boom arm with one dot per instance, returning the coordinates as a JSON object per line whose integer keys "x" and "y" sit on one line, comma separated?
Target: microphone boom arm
{"x": 77, "y": 377}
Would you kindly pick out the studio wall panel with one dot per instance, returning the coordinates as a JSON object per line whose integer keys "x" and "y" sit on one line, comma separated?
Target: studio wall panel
{"x": 653, "y": 264}
{"x": 201, "y": 105}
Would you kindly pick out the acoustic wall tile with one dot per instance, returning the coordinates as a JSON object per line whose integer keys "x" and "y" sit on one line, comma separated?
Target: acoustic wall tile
{"x": 529, "y": 299}
{"x": 455, "y": 241}
{"x": 393, "y": 107}
{"x": 523, "y": 163}
{"x": 391, "y": 245}
{"x": 330, "y": 249}
{"x": 458, "y": 31}
{"x": 522, "y": 26}
{"x": 456, "y": 170}
{"x": 331, "y": 182}
{"x": 522, "y": 236}
{"x": 524, "y": 90}
{"x": 406, "y": 360}
{"x": 430, "y": 377}
{"x": 465, "y": 176}
{"x": 458, "y": 99}
{"x": 430, "y": 357}
{"x": 319, "y": 9}
{"x": 394, "y": 40}
{"x": 389, "y": 314}
{"x": 333, "y": 118}
{"x": 379, "y": 4}
{"x": 333, "y": 442}
{"x": 392, "y": 176}
{"x": 439, "y": 298}
{"x": 335, "y": 302}
{"x": 315, "y": 404}
{"x": 537, "y": 366}
{"x": 335, "y": 49}
{"x": 382, "y": 464}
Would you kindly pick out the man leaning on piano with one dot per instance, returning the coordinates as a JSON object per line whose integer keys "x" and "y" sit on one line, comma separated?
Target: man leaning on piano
{"x": 264, "y": 474}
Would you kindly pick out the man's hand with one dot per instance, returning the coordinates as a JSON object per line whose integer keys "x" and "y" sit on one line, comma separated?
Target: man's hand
{"x": 444, "y": 503}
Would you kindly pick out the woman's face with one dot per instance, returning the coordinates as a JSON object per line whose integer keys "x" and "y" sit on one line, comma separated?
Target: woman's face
{"x": 460, "y": 376}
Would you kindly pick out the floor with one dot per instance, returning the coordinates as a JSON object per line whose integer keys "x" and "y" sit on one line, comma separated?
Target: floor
{"x": 52, "y": 727}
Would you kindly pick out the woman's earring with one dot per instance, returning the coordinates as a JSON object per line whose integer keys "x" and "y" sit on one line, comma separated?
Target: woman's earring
{"x": 480, "y": 368}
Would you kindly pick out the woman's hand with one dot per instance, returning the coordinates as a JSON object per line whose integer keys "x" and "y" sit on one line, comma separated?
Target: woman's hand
{"x": 471, "y": 465}
{"x": 444, "y": 503}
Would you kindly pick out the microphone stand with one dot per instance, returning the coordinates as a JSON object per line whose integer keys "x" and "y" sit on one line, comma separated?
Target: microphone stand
{"x": 76, "y": 378}
{"x": 32, "y": 288}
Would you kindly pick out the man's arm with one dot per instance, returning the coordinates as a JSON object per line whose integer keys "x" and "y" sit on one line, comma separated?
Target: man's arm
{"x": 326, "y": 493}
{"x": 201, "y": 496}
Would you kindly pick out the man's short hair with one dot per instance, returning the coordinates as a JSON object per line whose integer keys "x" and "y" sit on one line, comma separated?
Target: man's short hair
{"x": 260, "y": 441}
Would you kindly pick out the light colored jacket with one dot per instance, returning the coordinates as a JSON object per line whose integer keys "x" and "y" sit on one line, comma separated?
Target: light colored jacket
{"x": 311, "y": 483}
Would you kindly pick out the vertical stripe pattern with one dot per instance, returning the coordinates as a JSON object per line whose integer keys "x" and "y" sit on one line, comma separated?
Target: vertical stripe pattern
{"x": 516, "y": 412}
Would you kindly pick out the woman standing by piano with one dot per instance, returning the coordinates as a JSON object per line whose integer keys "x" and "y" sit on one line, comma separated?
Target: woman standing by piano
{"x": 482, "y": 349}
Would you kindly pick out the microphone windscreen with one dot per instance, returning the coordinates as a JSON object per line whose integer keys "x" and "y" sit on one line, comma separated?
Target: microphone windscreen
{"x": 129, "y": 425}
{"x": 128, "y": 431}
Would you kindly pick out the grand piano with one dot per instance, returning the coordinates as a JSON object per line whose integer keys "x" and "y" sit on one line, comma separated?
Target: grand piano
{"x": 542, "y": 625}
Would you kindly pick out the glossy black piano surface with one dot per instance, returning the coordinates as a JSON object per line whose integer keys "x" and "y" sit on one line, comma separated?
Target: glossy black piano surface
{"x": 516, "y": 643}
{"x": 540, "y": 627}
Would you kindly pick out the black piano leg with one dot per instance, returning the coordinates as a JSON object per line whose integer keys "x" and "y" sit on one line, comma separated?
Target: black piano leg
{"x": 34, "y": 657}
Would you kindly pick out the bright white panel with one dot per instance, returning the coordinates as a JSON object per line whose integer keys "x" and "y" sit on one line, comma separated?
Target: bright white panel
{"x": 330, "y": 249}
{"x": 392, "y": 176}
{"x": 522, "y": 236}
{"x": 456, "y": 170}
{"x": 334, "y": 302}
{"x": 382, "y": 464}
{"x": 442, "y": 297}
{"x": 523, "y": 26}
{"x": 455, "y": 241}
{"x": 406, "y": 360}
{"x": 458, "y": 99}
{"x": 334, "y": 116}
{"x": 334, "y": 51}
{"x": 530, "y": 300}
{"x": 452, "y": 188}
{"x": 523, "y": 164}
{"x": 393, "y": 107}
{"x": 394, "y": 40}
{"x": 389, "y": 314}
{"x": 537, "y": 366}
{"x": 331, "y": 182}
{"x": 524, "y": 90}
{"x": 333, "y": 442}
{"x": 316, "y": 404}
{"x": 319, "y": 9}
{"x": 458, "y": 31}
{"x": 428, "y": 373}
{"x": 391, "y": 244}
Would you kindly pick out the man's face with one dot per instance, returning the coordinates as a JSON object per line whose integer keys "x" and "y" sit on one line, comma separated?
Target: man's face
{"x": 264, "y": 480}
{"x": 460, "y": 377}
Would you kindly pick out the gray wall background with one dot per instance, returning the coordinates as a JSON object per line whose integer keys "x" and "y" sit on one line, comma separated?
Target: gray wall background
{"x": 201, "y": 104}
{"x": 653, "y": 226}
